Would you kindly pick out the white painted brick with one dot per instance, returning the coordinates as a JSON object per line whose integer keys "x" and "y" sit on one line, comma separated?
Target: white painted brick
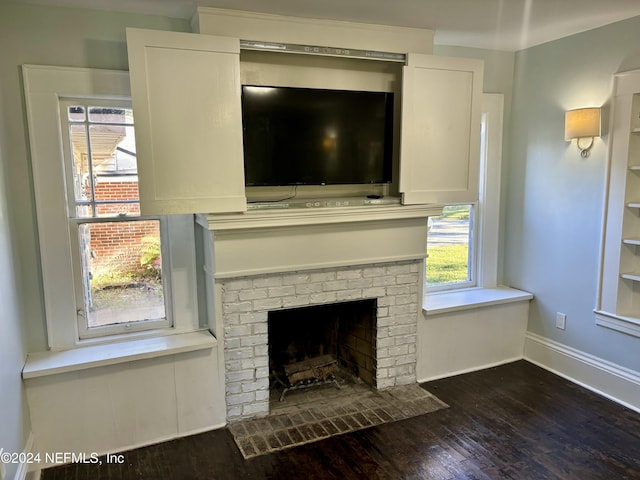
{"x": 415, "y": 267}
{"x": 234, "y": 412}
{"x": 405, "y": 340}
{"x": 384, "y": 281}
{"x": 405, "y": 299}
{"x": 255, "y": 409}
{"x": 261, "y": 350}
{"x": 383, "y": 312}
{"x": 260, "y": 328}
{"x": 409, "y": 319}
{"x": 386, "y": 362}
{"x": 396, "y": 330}
{"x": 295, "y": 301}
{"x": 256, "y": 386}
{"x": 386, "y": 321}
{"x": 240, "y": 398}
{"x": 322, "y": 276}
{"x": 405, "y": 360}
{"x": 237, "y": 307}
{"x": 399, "y": 290}
{"x": 239, "y": 284}
{"x": 397, "y": 269}
{"x": 268, "y": 304}
{"x": 238, "y": 354}
{"x": 399, "y": 350}
{"x": 382, "y": 373}
{"x": 383, "y": 383}
{"x": 373, "y": 292}
{"x": 349, "y": 294}
{"x": 373, "y": 272}
{"x": 231, "y": 319}
{"x": 230, "y": 297}
{"x": 251, "y": 340}
{"x": 282, "y": 291}
{"x": 334, "y": 286}
{"x": 360, "y": 283}
{"x": 237, "y": 331}
{"x": 295, "y": 279}
{"x": 386, "y": 301}
{"x": 262, "y": 372}
{"x": 254, "y": 294}
{"x": 254, "y": 362}
{"x": 385, "y": 342}
{"x": 234, "y": 388}
{"x": 270, "y": 281}
{"x": 349, "y": 274}
{"x": 262, "y": 394}
{"x": 308, "y": 288}
{"x": 409, "y": 278}
{"x": 230, "y": 343}
{"x": 325, "y": 297}
{"x": 254, "y": 317}
{"x": 239, "y": 376}
{"x": 233, "y": 365}
{"x": 403, "y": 309}
{"x": 406, "y": 379}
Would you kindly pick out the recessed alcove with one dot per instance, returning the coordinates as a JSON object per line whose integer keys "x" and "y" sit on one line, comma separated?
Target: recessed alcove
{"x": 343, "y": 331}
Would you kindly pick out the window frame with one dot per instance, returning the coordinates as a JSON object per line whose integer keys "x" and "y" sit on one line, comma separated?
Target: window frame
{"x": 44, "y": 87}
{"x": 484, "y": 252}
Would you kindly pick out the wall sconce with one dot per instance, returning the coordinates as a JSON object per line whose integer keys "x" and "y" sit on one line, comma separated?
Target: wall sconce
{"x": 582, "y": 123}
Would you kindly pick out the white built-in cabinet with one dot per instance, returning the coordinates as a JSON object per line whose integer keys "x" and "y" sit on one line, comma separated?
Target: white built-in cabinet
{"x": 186, "y": 98}
{"x": 619, "y": 302}
{"x": 440, "y": 136}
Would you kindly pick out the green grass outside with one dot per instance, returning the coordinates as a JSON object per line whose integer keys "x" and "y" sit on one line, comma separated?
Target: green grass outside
{"x": 447, "y": 264}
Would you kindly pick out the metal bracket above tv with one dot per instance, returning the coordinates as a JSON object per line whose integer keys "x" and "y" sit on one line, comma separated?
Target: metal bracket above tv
{"x": 320, "y": 50}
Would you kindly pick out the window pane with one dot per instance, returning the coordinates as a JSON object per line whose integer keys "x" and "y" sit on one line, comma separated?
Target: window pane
{"x": 448, "y": 246}
{"x": 81, "y": 167}
{"x": 122, "y": 272}
{"x": 76, "y": 113}
{"x": 110, "y": 115}
{"x": 117, "y": 209}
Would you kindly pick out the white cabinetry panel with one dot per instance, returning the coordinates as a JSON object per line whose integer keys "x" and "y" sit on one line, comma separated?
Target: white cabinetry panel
{"x": 186, "y": 98}
{"x": 440, "y": 139}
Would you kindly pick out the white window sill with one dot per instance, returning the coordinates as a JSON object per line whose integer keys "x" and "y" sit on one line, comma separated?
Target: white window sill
{"x": 619, "y": 323}
{"x": 49, "y": 363}
{"x": 465, "y": 299}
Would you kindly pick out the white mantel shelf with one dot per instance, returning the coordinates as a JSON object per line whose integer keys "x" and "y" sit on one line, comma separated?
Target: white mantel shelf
{"x": 299, "y": 217}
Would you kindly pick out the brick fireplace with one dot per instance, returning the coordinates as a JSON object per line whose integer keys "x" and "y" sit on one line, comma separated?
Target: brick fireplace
{"x": 247, "y": 301}
{"x": 266, "y": 261}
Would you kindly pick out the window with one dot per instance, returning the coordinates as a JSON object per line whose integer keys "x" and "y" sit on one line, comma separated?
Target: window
{"x": 462, "y": 244}
{"x": 450, "y": 248}
{"x": 119, "y": 279}
{"x": 108, "y": 274}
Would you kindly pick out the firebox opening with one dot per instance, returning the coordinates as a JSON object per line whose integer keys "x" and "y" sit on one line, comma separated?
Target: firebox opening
{"x": 344, "y": 332}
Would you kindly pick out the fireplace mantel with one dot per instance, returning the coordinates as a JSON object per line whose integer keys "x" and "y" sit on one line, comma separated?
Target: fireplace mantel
{"x": 267, "y": 241}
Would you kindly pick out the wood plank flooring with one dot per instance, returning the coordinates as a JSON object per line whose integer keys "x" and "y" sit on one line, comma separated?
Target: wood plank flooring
{"x": 515, "y": 421}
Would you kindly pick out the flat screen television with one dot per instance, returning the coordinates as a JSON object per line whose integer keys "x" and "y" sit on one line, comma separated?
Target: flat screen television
{"x": 303, "y": 136}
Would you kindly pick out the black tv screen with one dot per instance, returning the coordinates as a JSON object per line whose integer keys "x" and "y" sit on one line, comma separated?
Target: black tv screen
{"x": 302, "y": 136}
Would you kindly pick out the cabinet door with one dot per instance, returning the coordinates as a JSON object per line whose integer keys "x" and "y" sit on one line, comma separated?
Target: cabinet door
{"x": 440, "y": 140}
{"x": 186, "y": 99}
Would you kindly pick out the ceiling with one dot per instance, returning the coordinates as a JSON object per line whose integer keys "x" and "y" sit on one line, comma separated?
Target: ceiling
{"x": 495, "y": 24}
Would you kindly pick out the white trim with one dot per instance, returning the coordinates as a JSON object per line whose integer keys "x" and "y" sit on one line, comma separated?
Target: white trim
{"x": 49, "y": 363}
{"x": 619, "y": 323}
{"x": 610, "y": 380}
{"x": 475, "y": 368}
{"x": 23, "y": 468}
{"x": 465, "y": 299}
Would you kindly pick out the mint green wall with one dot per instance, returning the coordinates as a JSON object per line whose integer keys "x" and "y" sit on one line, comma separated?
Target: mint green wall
{"x": 50, "y": 36}
{"x": 498, "y": 78}
{"x": 555, "y": 198}
{"x": 47, "y": 36}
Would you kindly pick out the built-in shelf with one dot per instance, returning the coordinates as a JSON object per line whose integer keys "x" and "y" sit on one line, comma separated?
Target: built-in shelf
{"x": 631, "y": 241}
{"x": 631, "y": 276}
{"x": 636, "y": 131}
{"x": 633, "y": 204}
{"x": 635, "y": 168}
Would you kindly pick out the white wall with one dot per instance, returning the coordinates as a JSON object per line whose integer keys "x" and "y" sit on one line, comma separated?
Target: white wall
{"x": 14, "y": 414}
{"x": 555, "y": 198}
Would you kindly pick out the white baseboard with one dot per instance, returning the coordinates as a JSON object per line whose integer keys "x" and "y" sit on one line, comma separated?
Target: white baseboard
{"x": 612, "y": 381}
{"x": 23, "y": 468}
{"x": 469, "y": 370}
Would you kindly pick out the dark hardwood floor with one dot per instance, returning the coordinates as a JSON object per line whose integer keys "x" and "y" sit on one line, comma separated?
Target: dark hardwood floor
{"x": 513, "y": 421}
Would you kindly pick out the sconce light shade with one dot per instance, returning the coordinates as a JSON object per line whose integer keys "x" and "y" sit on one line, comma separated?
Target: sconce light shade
{"x": 582, "y": 123}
